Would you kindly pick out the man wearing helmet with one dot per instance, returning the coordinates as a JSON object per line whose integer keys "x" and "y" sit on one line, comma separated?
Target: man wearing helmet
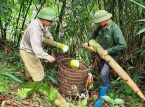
{"x": 31, "y": 50}
{"x": 110, "y": 37}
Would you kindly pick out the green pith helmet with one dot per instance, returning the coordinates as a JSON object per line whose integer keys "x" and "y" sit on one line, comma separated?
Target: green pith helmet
{"x": 101, "y": 16}
{"x": 47, "y": 13}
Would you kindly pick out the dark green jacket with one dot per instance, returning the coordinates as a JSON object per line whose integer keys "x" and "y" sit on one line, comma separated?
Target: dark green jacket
{"x": 111, "y": 39}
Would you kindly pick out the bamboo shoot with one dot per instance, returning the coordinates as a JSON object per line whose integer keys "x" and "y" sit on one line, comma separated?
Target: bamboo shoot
{"x": 52, "y": 43}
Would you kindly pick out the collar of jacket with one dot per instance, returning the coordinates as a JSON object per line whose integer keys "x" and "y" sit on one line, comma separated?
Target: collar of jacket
{"x": 110, "y": 24}
{"x": 40, "y": 23}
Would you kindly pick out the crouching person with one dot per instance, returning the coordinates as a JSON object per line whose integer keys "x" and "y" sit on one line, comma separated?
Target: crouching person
{"x": 31, "y": 50}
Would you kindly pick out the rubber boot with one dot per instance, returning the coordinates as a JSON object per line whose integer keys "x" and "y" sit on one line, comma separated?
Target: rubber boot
{"x": 102, "y": 92}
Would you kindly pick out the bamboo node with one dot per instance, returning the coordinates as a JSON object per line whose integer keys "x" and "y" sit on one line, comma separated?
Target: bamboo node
{"x": 143, "y": 99}
{"x": 126, "y": 80}
{"x": 109, "y": 61}
{"x": 136, "y": 91}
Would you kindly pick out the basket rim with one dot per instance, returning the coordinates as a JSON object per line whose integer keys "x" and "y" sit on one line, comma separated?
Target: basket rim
{"x": 85, "y": 70}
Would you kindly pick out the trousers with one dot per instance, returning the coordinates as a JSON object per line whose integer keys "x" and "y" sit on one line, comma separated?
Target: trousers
{"x": 105, "y": 73}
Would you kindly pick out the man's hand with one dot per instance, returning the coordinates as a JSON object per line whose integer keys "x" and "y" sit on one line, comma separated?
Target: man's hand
{"x": 51, "y": 59}
{"x": 85, "y": 44}
{"x": 103, "y": 54}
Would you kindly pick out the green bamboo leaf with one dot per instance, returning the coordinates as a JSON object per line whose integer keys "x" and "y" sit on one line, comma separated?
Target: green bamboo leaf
{"x": 108, "y": 99}
{"x": 141, "y": 31}
{"x": 52, "y": 79}
{"x": 24, "y": 93}
{"x": 11, "y": 76}
{"x": 137, "y": 3}
{"x": 81, "y": 105}
{"x": 118, "y": 101}
{"x": 52, "y": 94}
{"x": 1, "y": 10}
{"x": 143, "y": 38}
{"x": 3, "y": 104}
{"x": 143, "y": 53}
{"x": 131, "y": 67}
{"x": 84, "y": 102}
{"x": 141, "y": 20}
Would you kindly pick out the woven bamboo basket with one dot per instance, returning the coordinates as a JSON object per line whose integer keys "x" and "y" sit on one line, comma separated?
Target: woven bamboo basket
{"x": 71, "y": 81}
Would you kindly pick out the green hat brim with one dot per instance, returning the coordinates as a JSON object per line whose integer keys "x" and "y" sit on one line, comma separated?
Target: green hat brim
{"x": 108, "y": 16}
{"x": 52, "y": 18}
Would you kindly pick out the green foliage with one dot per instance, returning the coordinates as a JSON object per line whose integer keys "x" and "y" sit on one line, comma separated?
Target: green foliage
{"x": 75, "y": 26}
{"x": 141, "y": 31}
{"x": 141, "y": 52}
{"x": 114, "y": 102}
{"x": 52, "y": 75}
{"x": 24, "y": 93}
{"x": 43, "y": 88}
{"x": 52, "y": 94}
{"x": 6, "y": 69}
{"x": 83, "y": 103}
{"x": 33, "y": 85}
{"x": 4, "y": 7}
{"x": 11, "y": 76}
{"x": 3, "y": 104}
{"x": 137, "y": 3}
{"x": 3, "y": 84}
{"x": 136, "y": 74}
{"x": 130, "y": 58}
{"x": 141, "y": 21}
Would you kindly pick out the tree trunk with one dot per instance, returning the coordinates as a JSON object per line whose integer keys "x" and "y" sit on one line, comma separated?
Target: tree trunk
{"x": 60, "y": 17}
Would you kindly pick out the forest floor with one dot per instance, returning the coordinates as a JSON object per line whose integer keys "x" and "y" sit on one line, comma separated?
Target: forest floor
{"x": 10, "y": 62}
{"x": 10, "y": 99}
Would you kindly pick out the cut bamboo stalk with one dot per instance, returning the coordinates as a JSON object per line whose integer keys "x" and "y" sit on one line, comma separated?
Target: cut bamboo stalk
{"x": 90, "y": 48}
{"x": 116, "y": 67}
{"x": 52, "y": 43}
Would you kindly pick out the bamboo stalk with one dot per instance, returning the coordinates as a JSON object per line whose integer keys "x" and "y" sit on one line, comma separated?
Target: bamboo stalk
{"x": 90, "y": 48}
{"x": 50, "y": 42}
{"x": 116, "y": 67}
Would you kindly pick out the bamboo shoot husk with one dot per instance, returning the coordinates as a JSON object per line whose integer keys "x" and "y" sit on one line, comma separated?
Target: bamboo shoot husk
{"x": 116, "y": 67}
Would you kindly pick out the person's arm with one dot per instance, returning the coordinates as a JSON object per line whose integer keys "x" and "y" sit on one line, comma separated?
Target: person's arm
{"x": 119, "y": 41}
{"x": 93, "y": 36}
{"x": 36, "y": 44}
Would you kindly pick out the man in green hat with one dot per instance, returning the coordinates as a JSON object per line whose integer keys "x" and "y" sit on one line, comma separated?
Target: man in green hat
{"x": 110, "y": 37}
{"x": 31, "y": 50}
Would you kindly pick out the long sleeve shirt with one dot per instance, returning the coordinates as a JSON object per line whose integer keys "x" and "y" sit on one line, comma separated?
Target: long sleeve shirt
{"x": 33, "y": 38}
{"x": 111, "y": 39}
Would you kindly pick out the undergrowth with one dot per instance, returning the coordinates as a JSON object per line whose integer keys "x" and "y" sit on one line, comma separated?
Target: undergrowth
{"x": 12, "y": 77}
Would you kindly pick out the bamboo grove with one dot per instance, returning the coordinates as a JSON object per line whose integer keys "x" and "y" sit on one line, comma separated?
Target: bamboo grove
{"x": 74, "y": 25}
